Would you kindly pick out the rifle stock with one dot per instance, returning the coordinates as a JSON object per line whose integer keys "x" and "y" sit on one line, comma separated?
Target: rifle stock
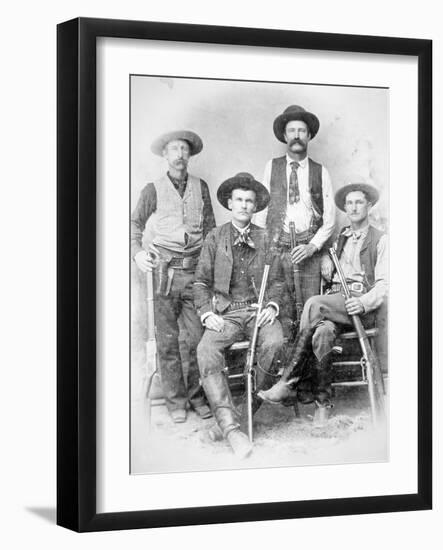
{"x": 373, "y": 370}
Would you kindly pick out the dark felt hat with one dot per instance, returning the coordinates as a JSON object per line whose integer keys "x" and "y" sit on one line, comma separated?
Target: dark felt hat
{"x": 195, "y": 142}
{"x": 371, "y": 193}
{"x": 243, "y": 180}
{"x": 295, "y": 112}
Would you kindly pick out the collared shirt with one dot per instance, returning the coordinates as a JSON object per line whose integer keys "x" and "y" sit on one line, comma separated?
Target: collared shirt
{"x": 352, "y": 269}
{"x": 302, "y": 212}
{"x": 176, "y": 183}
{"x": 241, "y": 229}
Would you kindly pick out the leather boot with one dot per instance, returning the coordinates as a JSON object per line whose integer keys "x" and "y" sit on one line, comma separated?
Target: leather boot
{"x": 219, "y": 397}
{"x": 322, "y": 380}
{"x": 321, "y": 414}
{"x": 281, "y": 391}
{"x": 322, "y": 392}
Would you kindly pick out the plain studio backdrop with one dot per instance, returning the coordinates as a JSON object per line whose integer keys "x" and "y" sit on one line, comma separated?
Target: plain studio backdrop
{"x": 28, "y": 248}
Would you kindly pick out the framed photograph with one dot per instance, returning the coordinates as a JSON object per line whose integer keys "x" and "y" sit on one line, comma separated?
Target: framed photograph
{"x": 244, "y": 274}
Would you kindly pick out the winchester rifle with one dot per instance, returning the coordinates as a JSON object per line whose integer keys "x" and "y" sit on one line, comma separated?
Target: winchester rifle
{"x": 151, "y": 366}
{"x": 297, "y": 280}
{"x": 249, "y": 371}
{"x": 370, "y": 361}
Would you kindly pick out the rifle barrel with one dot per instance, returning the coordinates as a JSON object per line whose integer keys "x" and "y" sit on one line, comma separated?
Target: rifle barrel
{"x": 373, "y": 368}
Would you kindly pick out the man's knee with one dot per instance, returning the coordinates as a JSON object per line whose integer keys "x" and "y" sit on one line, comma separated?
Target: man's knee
{"x": 313, "y": 303}
{"x": 324, "y": 334}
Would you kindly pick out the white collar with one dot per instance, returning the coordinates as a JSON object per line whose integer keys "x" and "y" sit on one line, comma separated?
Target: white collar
{"x": 239, "y": 229}
{"x": 303, "y": 163}
{"x": 356, "y": 233}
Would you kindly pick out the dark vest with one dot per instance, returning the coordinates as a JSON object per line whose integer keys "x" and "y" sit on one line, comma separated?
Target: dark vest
{"x": 368, "y": 252}
{"x": 279, "y": 191}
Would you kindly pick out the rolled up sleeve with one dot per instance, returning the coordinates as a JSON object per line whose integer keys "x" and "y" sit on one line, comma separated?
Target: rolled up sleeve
{"x": 375, "y": 297}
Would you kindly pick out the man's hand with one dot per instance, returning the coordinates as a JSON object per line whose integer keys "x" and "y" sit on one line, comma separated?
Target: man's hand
{"x": 354, "y": 306}
{"x": 302, "y": 252}
{"x": 147, "y": 261}
{"x": 214, "y": 322}
{"x": 267, "y": 316}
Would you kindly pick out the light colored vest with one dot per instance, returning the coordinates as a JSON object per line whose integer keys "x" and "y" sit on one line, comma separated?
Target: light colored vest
{"x": 175, "y": 216}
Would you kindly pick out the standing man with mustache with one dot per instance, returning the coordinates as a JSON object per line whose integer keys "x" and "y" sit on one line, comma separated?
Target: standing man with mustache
{"x": 301, "y": 193}
{"x": 182, "y": 215}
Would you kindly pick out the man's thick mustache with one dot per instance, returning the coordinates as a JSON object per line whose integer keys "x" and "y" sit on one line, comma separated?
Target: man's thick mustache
{"x": 296, "y": 141}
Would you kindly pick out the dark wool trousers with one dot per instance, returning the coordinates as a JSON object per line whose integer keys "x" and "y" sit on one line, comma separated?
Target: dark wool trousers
{"x": 310, "y": 278}
{"x": 324, "y": 314}
{"x": 239, "y": 325}
{"x": 168, "y": 309}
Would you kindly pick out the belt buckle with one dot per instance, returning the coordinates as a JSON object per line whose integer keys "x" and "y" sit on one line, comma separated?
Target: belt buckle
{"x": 188, "y": 262}
{"x": 357, "y": 287}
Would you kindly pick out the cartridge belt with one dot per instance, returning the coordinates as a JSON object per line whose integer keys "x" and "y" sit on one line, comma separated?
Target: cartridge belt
{"x": 354, "y": 287}
{"x": 234, "y": 306}
{"x": 185, "y": 262}
{"x": 304, "y": 237}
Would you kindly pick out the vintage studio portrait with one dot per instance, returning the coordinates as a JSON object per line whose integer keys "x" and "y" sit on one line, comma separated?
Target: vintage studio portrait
{"x": 259, "y": 231}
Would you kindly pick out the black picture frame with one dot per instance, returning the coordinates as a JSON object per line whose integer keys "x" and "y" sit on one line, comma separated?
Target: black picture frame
{"x": 76, "y": 280}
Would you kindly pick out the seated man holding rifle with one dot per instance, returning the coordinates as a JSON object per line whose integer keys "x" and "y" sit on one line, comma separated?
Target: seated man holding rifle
{"x": 231, "y": 275}
{"x": 362, "y": 259}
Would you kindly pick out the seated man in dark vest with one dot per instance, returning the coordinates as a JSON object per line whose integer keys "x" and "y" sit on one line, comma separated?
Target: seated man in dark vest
{"x": 179, "y": 208}
{"x": 226, "y": 288}
{"x": 362, "y": 252}
{"x": 301, "y": 193}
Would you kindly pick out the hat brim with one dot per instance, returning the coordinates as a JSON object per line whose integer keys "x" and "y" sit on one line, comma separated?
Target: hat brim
{"x": 370, "y": 191}
{"x": 195, "y": 142}
{"x": 224, "y": 192}
{"x": 305, "y": 116}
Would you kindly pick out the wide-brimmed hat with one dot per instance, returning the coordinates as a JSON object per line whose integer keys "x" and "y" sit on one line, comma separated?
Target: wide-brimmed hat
{"x": 295, "y": 112}
{"x": 243, "y": 180}
{"x": 195, "y": 142}
{"x": 369, "y": 190}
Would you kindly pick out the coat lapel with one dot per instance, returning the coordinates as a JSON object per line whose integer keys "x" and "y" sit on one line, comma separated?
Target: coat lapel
{"x": 225, "y": 242}
{"x": 257, "y": 237}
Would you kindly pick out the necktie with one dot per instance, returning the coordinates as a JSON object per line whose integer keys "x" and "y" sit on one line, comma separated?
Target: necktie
{"x": 244, "y": 238}
{"x": 294, "y": 191}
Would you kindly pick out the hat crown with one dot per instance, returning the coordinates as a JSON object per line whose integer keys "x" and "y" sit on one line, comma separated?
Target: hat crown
{"x": 294, "y": 109}
{"x": 244, "y": 176}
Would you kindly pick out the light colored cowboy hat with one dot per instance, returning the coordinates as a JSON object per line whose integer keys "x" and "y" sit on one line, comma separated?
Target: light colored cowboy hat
{"x": 295, "y": 112}
{"x": 243, "y": 180}
{"x": 370, "y": 191}
{"x": 195, "y": 142}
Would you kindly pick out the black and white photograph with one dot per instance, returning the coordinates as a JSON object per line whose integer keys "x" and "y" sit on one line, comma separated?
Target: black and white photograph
{"x": 259, "y": 254}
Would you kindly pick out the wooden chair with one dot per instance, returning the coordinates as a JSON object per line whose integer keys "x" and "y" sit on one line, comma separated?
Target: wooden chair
{"x": 350, "y": 368}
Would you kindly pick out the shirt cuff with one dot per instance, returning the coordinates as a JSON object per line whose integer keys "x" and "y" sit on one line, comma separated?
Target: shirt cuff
{"x": 204, "y": 316}
{"x": 366, "y": 303}
{"x": 136, "y": 248}
{"x": 275, "y": 306}
{"x": 313, "y": 241}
